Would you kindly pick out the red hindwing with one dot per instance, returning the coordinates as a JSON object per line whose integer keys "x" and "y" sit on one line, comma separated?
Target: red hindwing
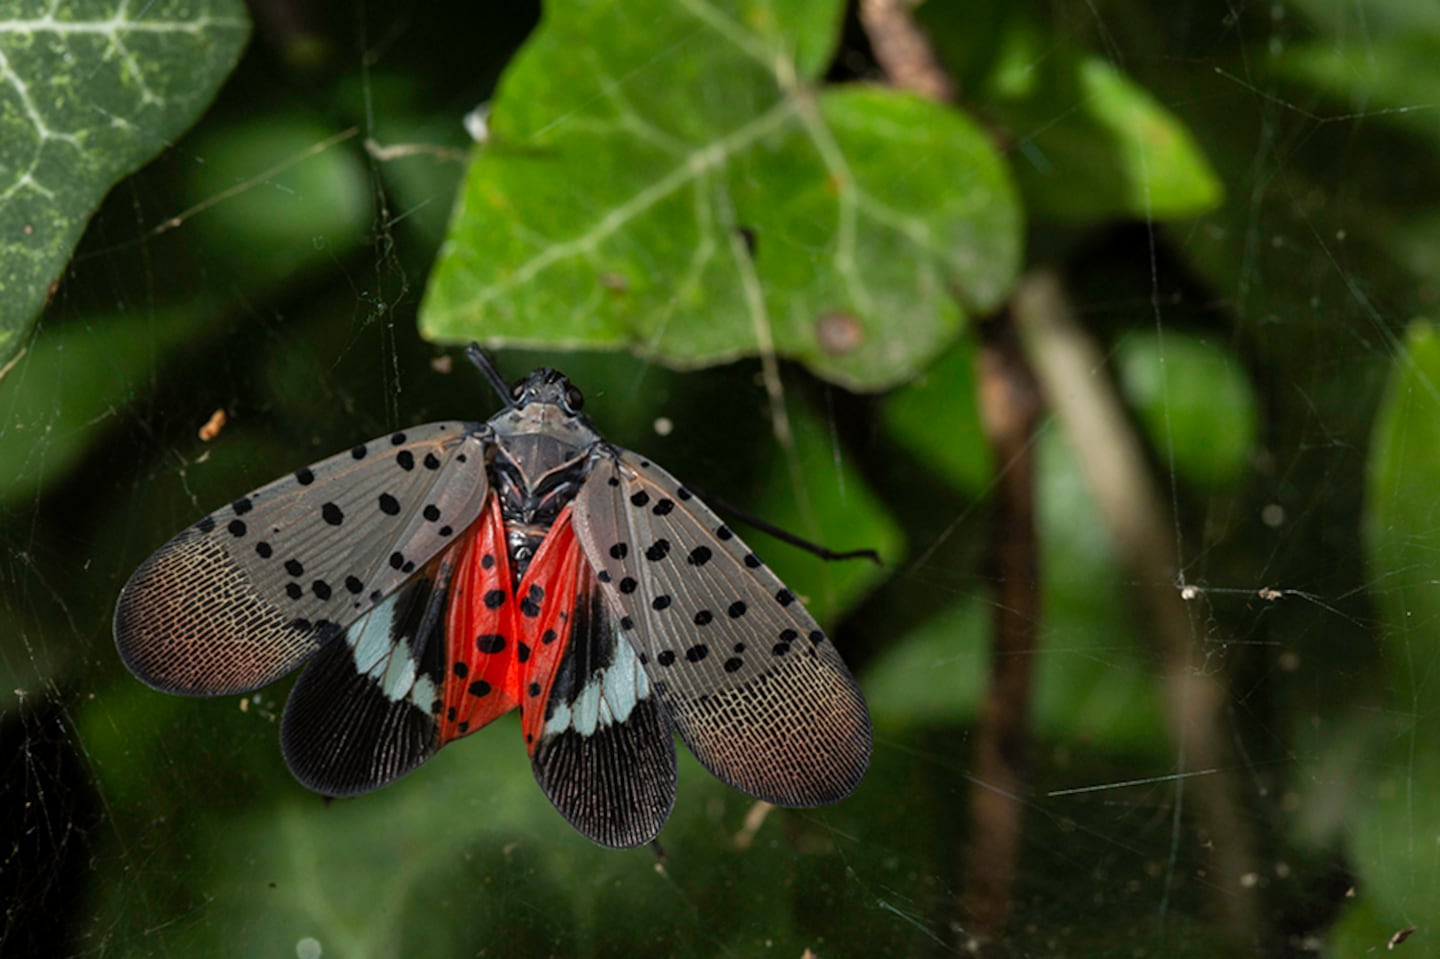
{"x": 505, "y": 643}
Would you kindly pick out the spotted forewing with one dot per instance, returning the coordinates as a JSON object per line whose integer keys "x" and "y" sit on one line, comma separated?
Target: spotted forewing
{"x": 437, "y": 578}
{"x": 254, "y": 589}
{"x": 754, "y": 687}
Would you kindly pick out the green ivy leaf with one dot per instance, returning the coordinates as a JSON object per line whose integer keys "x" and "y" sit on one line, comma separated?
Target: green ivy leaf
{"x": 86, "y": 97}
{"x": 684, "y": 189}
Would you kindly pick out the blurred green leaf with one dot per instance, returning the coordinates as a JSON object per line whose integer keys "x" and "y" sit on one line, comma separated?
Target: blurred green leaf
{"x": 462, "y": 857}
{"x": 936, "y": 417}
{"x": 1402, "y": 517}
{"x": 835, "y": 225}
{"x": 1089, "y": 142}
{"x": 91, "y": 368}
{"x": 1376, "y": 20}
{"x": 1091, "y": 678}
{"x": 815, "y": 491}
{"x": 1094, "y": 680}
{"x": 937, "y": 673}
{"x": 292, "y": 196}
{"x": 1391, "y": 80}
{"x": 87, "y": 95}
{"x": 419, "y": 152}
{"x": 1392, "y": 835}
{"x": 1194, "y": 401}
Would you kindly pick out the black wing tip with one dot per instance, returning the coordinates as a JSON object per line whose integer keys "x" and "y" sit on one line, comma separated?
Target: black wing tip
{"x": 341, "y": 736}
{"x": 616, "y": 786}
{"x": 618, "y": 835}
{"x": 322, "y": 765}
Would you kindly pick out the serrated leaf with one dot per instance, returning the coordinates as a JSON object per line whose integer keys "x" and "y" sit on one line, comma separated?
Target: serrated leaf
{"x": 684, "y": 190}
{"x": 87, "y": 95}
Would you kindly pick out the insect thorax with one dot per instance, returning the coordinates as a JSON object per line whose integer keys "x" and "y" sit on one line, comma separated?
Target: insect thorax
{"x": 535, "y": 473}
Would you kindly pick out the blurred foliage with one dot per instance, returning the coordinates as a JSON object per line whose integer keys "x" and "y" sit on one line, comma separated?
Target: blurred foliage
{"x": 1113, "y": 151}
{"x": 1198, "y": 410}
{"x": 1402, "y": 518}
{"x": 1244, "y": 204}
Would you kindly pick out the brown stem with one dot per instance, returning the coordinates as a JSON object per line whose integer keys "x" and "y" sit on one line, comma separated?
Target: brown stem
{"x": 1009, "y": 412}
{"x": 903, "y": 51}
{"x": 1111, "y": 460}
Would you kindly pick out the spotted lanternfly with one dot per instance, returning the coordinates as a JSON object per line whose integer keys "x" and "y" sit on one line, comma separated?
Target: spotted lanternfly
{"x": 439, "y": 577}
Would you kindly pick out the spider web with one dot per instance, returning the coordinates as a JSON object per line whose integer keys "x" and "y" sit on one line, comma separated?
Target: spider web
{"x": 1224, "y": 751}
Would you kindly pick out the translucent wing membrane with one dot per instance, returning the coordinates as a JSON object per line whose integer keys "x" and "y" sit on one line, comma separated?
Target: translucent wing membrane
{"x": 604, "y": 753}
{"x": 757, "y": 691}
{"x": 362, "y": 714}
{"x": 248, "y": 593}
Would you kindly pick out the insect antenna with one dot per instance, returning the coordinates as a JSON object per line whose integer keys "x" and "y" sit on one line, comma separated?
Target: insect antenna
{"x": 785, "y": 536}
{"x": 487, "y": 368}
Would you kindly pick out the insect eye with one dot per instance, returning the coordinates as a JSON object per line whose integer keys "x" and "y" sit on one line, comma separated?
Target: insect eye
{"x": 516, "y": 390}
{"x": 574, "y": 398}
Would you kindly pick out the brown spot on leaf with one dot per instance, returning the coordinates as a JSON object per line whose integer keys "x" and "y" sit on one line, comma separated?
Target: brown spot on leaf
{"x": 839, "y": 333}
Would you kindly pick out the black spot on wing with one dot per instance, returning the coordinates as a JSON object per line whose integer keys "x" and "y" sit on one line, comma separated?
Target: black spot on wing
{"x": 782, "y": 721}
